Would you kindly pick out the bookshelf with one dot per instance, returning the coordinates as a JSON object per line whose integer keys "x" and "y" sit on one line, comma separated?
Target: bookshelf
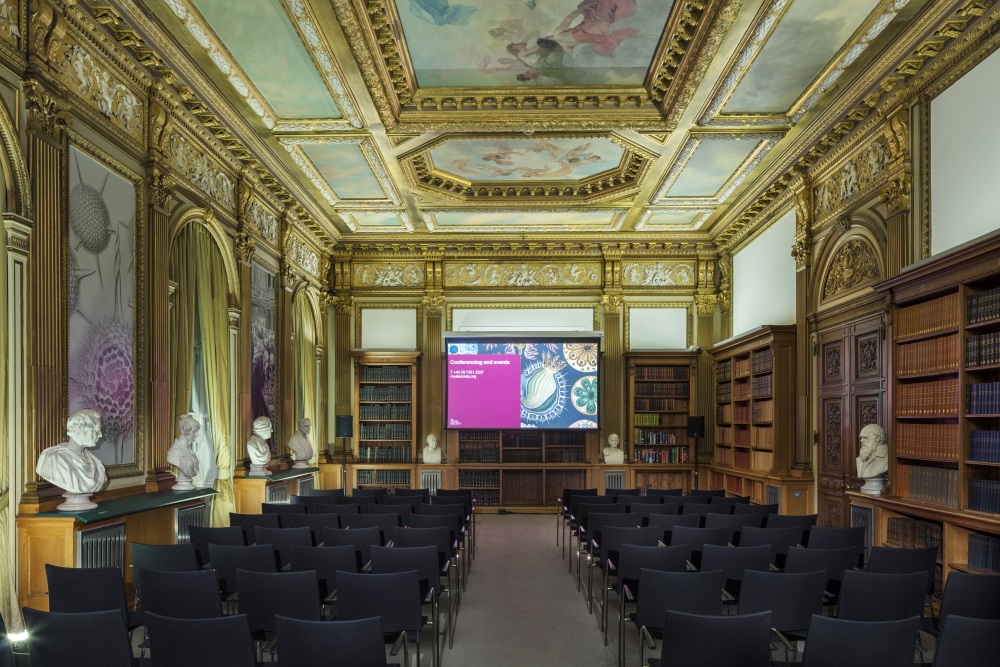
{"x": 386, "y": 409}
{"x": 944, "y": 432}
{"x": 754, "y": 419}
{"x": 662, "y": 394}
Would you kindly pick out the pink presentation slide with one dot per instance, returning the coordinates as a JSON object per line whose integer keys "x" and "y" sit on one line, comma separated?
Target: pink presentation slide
{"x": 484, "y": 391}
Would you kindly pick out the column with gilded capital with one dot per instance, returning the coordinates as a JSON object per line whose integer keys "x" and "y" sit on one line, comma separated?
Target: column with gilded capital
{"x": 433, "y": 366}
{"x": 287, "y": 350}
{"x": 802, "y": 253}
{"x": 613, "y": 378}
{"x": 707, "y": 325}
{"x": 245, "y": 247}
{"x": 895, "y": 196}
{"x": 343, "y": 307}
{"x": 17, "y": 240}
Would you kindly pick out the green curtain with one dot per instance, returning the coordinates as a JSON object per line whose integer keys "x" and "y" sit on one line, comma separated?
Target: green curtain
{"x": 305, "y": 335}
{"x": 8, "y": 601}
{"x": 182, "y": 319}
{"x": 213, "y": 315}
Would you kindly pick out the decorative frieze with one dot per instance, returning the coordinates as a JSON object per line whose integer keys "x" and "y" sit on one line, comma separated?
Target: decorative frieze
{"x": 303, "y": 255}
{"x": 95, "y": 84}
{"x": 857, "y": 175}
{"x": 658, "y": 274}
{"x": 262, "y": 220}
{"x": 524, "y": 274}
{"x": 200, "y": 171}
{"x": 9, "y": 28}
{"x": 389, "y": 275}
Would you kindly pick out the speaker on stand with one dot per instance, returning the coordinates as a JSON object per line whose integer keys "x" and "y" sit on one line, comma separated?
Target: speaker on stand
{"x": 345, "y": 429}
{"x": 696, "y": 431}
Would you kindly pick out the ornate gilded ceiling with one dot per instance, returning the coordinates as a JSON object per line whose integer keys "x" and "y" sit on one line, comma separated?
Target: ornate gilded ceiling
{"x": 405, "y": 118}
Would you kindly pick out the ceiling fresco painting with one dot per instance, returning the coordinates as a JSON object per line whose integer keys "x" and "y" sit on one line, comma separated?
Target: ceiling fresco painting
{"x": 565, "y": 220}
{"x": 527, "y": 159}
{"x": 346, "y": 170}
{"x": 485, "y": 43}
{"x": 378, "y": 221}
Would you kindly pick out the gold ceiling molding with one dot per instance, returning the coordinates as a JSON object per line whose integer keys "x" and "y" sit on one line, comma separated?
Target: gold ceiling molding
{"x": 658, "y": 274}
{"x": 523, "y": 274}
{"x": 854, "y": 264}
{"x": 389, "y": 274}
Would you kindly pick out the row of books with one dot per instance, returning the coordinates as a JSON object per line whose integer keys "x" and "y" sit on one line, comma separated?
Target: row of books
{"x": 761, "y": 461}
{"x": 927, "y": 399}
{"x": 907, "y": 533}
{"x": 386, "y": 431}
{"x": 487, "y": 498}
{"x": 984, "y": 495}
{"x": 983, "y": 350}
{"x": 742, "y": 459}
{"x": 479, "y": 455}
{"x": 741, "y": 367}
{"x": 933, "y": 355}
{"x": 516, "y": 439}
{"x": 662, "y": 389}
{"x": 741, "y": 414}
{"x": 763, "y": 411}
{"x": 929, "y": 484}
{"x": 562, "y": 439}
{"x": 389, "y": 411}
{"x": 399, "y": 454}
{"x": 661, "y": 404}
{"x": 724, "y": 392}
{"x": 724, "y": 370}
{"x": 568, "y": 455}
{"x": 478, "y": 479}
{"x": 741, "y": 437}
{"x": 762, "y": 437}
{"x": 741, "y": 391}
{"x": 677, "y": 454}
{"x": 984, "y": 398}
{"x": 385, "y": 373}
{"x": 984, "y": 446}
{"x": 927, "y": 441}
{"x": 372, "y": 392}
{"x": 522, "y": 456}
{"x": 763, "y": 386}
{"x": 927, "y": 317}
{"x": 984, "y": 306}
{"x": 657, "y": 419}
{"x": 645, "y": 437}
{"x": 723, "y": 436}
{"x": 984, "y": 552}
{"x": 390, "y": 477}
{"x": 724, "y": 414}
{"x": 762, "y": 360}
{"x": 723, "y": 456}
{"x": 662, "y": 373}
{"x": 479, "y": 435}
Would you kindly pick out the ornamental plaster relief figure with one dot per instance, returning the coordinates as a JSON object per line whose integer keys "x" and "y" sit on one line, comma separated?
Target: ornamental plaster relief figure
{"x": 181, "y": 455}
{"x": 613, "y": 454}
{"x": 257, "y": 447}
{"x": 431, "y": 452}
{"x": 71, "y": 467}
{"x": 873, "y": 459}
{"x": 302, "y": 449}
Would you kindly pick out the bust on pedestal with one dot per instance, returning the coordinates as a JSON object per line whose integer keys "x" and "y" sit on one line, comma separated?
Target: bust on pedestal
{"x": 431, "y": 453}
{"x": 302, "y": 449}
{"x": 612, "y": 453}
{"x": 180, "y": 454}
{"x": 257, "y": 447}
{"x": 71, "y": 467}
{"x": 873, "y": 459}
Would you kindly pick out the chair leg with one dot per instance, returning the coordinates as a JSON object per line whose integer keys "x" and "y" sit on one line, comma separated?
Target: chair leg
{"x": 590, "y": 583}
{"x": 604, "y": 604}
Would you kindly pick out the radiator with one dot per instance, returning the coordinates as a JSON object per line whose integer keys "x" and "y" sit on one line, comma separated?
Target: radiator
{"x": 185, "y": 517}
{"x": 430, "y": 480}
{"x": 614, "y": 479}
{"x": 864, "y": 516}
{"x": 773, "y": 494}
{"x": 277, "y": 493}
{"x": 101, "y": 547}
{"x": 306, "y": 485}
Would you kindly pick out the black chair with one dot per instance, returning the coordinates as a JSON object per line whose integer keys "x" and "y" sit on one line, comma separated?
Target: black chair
{"x": 832, "y": 561}
{"x": 326, "y": 562}
{"x": 340, "y": 509}
{"x": 413, "y": 502}
{"x": 202, "y": 642}
{"x": 778, "y": 539}
{"x": 310, "y": 500}
{"x": 358, "y": 643}
{"x": 373, "y": 493}
{"x": 968, "y": 641}
{"x": 729, "y": 500}
{"x": 402, "y": 513}
{"x": 180, "y": 594}
{"x": 644, "y": 511}
{"x": 424, "y": 494}
{"x": 597, "y": 523}
{"x": 465, "y": 495}
{"x": 630, "y": 501}
{"x": 763, "y": 511}
{"x": 734, "y": 522}
{"x": 160, "y": 558}
{"x": 454, "y": 525}
{"x": 441, "y": 539}
{"x": 264, "y": 595}
{"x": 695, "y": 500}
{"x": 792, "y": 600}
{"x": 665, "y": 494}
{"x": 564, "y": 517}
{"x": 826, "y": 537}
{"x": 747, "y": 640}
{"x": 801, "y": 521}
{"x": 697, "y": 538}
{"x": 80, "y": 639}
{"x": 734, "y": 562}
{"x": 383, "y": 522}
{"x": 328, "y": 493}
{"x": 889, "y": 560}
{"x": 361, "y": 539}
{"x": 446, "y": 506}
{"x": 970, "y": 595}
{"x": 81, "y": 589}
{"x": 227, "y": 559}
{"x": 362, "y": 502}
{"x": 250, "y": 522}
{"x": 868, "y": 596}
{"x": 395, "y": 597}
{"x": 574, "y": 504}
{"x": 425, "y": 561}
{"x": 202, "y": 536}
{"x": 583, "y": 512}
{"x": 632, "y": 560}
{"x": 667, "y": 522}
{"x": 282, "y": 539}
{"x": 834, "y": 642}
{"x": 315, "y": 523}
{"x": 283, "y": 510}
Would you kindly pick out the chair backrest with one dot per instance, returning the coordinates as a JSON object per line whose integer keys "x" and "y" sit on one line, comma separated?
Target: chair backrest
{"x": 889, "y": 560}
{"x": 402, "y": 513}
{"x": 338, "y": 508}
{"x": 394, "y": 596}
{"x": 729, "y": 500}
{"x": 361, "y": 539}
{"x": 79, "y": 589}
{"x": 835, "y": 642}
{"x": 832, "y": 561}
{"x": 383, "y": 522}
{"x": 452, "y": 522}
{"x": 221, "y": 642}
{"x": 577, "y": 500}
{"x": 734, "y": 562}
{"x": 403, "y": 559}
{"x": 413, "y": 502}
{"x": 315, "y": 523}
{"x": 81, "y": 639}
{"x": 567, "y": 498}
{"x": 164, "y": 557}
{"x": 666, "y": 494}
{"x": 968, "y": 641}
{"x": 667, "y": 522}
{"x": 357, "y": 643}
{"x": 802, "y": 521}
{"x": 697, "y": 538}
{"x": 310, "y": 500}
{"x": 644, "y": 511}
{"x": 692, "y": 640}
{"x": 226, "y": 559}
{"x": 691, "y": 592}
{"x": 760, "y": 510}
{"x": 281, "y": 540}
{"x": 454, "y": 495}
{"x": 971, "y": 595}
{"x": 443, "y": 509}
{"x": 599, "y": 521}
{"x": 633, "y": 558}
{"x": 869, "y": 596}
{"x": 792, "y": 598}
{"x": 734, "y": 522}
{"x": 425, "y": 494}
{"x": 325, "y": 562}
{"x": 439, "y": 537}
{"x": 631, "y": 501}
{"x": 329, "y": 493}
{"x": 695, "y": 500}
{"x": 202, "y": 536}
{"x": 180, "y": 594}
{"x": 250, "y": 522}
{"x": 778, "y": 539}
{"x": 263, "y": 595}
{"x": 616, "y": 536}
{"x": 373, "y": 493}
{"x": 827, "y": 537}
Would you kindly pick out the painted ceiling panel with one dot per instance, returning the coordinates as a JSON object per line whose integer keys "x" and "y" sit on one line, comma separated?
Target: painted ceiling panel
{"x": 346, "y": 170}
{"x": 380, "y": 221}
{"x": 527, "y": 159}
{"x": 266, "y": 46}
{"x": 672, "y": 219}
{"x": 711, "y": 165}
{"x": 808, "y": 36}
{"x": 496, "y": 42}
{"x": 486, "y": 220}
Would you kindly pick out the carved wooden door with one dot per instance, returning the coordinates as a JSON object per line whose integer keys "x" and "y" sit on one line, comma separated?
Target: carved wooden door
{"x": 851, "y": 394}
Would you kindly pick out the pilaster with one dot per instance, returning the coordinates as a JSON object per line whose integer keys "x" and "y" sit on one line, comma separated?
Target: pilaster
{"x": 17, "y": 232}
{"x": 432, "y": 390}
{"x": 801, "y": 463}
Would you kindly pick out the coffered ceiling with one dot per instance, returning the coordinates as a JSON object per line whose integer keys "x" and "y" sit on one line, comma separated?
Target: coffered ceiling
{"x": 602, "y": 118}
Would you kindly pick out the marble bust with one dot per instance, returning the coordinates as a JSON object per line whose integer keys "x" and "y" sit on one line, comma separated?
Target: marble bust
{"x": 257, "y": 447}
{"x": 873, "y": 458}
{"x": 71, "y": 467}
{"x": 180, "y": 454}
{"x": 613, "y": 454}
{"x": 431, "y": 452}
{"x": 300, "y": 446}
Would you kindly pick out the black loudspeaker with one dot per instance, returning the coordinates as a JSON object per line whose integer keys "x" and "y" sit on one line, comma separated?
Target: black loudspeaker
{"x": 696, "y": 427}
{"x": 345, "y": 426}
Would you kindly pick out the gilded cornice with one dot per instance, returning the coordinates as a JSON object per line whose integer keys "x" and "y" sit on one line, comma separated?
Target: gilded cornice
{"x": 896, "y": 195}
{"x": 531, "y": 275}
{"x": 516, "y": 247}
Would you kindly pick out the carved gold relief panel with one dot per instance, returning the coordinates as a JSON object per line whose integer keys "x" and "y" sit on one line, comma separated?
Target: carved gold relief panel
{"x": 523, "y": 274}
{"x": 833, "y": 435}
{"x": 389, "y": 274}
{"x": 853, "y": 265}
{"x": 11, "y": 26}
{"x": 658, "y": 274}
{"x": 858, "y": 175}
{"x": 195, "y": 167}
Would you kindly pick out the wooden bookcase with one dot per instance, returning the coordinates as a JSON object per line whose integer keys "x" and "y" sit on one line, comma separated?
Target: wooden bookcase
{"x": 944, "y": 431}
{"x": 386, "y": 411}
{"x": 662, "y": 394}
{"x": 754, "y": 419}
